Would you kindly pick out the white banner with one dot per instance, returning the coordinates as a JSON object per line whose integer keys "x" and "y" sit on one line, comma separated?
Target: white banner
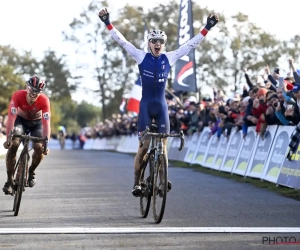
{"x": 257, "y": 162}
{"x": 234, "y": 143}
{"x": 277, "y": 153}
{"x": 248, "y": 145}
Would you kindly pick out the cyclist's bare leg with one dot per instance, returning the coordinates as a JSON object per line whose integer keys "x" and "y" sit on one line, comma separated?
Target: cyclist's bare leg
{"x": 138, "y": 160}
{"x": 11, "y": 159}
{"x": 165, "y": 141}
{"x": 10, "y": 164}
{"x": 37, "y": 157}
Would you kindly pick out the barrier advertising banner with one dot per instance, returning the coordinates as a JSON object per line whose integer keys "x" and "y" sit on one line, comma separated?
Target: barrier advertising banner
{"x": 290, "y": 171}
{"x": 247, "y": 146}
{"x": 220, "y": 153}
{"x": 211, "y": 152}
{"x": 192, "y": 148}
{"x": 277, "y": 153}
{"x": 202, "y": 147}
{"x": 232, "y": 150}
{"x": 170, "y": 140}
{"x": 259, "y": 156}
{"x": 173, "y": 150}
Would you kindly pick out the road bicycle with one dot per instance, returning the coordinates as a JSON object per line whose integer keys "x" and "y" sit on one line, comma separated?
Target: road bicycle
{"x": 154, "y": 173}
{"x": 21, "y": 167}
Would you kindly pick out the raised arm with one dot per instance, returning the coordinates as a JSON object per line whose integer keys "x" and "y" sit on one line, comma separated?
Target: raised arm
{"x": 295, "y": 73}
{"x": 248, "y": 80}
{"x": 137, "y": 54}
{"x": 184, "y": 49}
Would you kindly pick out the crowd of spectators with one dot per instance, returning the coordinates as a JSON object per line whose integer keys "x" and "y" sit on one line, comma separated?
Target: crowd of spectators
{"x": 273, "y": 99}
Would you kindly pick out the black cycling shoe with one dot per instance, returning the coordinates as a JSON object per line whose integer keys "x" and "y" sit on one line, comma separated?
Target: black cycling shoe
{"x": 31, "y": 179}
{"x": 136, "y": 191}
{"x": 169, "y": 186}
{"x": 8, "y": 188}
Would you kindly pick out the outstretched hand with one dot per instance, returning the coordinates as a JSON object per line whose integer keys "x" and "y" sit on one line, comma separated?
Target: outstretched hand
{"x": 104, "y": 16}
{"x": 212, "y": 20}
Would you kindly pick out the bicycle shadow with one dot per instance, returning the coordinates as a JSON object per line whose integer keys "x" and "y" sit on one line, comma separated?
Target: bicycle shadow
{"x": 2, "y": 213}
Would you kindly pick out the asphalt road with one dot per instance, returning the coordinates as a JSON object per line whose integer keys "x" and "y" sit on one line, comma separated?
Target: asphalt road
{"x": 92, "y": 189}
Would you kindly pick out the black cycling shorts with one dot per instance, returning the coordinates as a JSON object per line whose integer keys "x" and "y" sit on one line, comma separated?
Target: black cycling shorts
{"x": 35, "y": 127}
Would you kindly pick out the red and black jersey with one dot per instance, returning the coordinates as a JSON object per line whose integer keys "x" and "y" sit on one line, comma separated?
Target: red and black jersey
{"x": 40, "y": 109}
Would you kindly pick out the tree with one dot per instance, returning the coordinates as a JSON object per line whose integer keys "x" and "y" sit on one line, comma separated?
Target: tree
{"x": 23, "y": 63}
{"x": 9, "y": 83}
{"x": 87, "y": 114}
{"x": 85, "y": 33}
{"x": 57, "y": 77}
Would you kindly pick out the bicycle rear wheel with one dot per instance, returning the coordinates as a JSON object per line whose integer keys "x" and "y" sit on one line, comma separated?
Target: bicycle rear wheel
{"x": 146, "y": 185}
{"x": 160, "y": 188}
{"x": 20, "y": 182}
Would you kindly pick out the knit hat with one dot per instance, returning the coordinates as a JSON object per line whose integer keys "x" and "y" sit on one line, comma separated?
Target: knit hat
{"x": 261, "y": 91}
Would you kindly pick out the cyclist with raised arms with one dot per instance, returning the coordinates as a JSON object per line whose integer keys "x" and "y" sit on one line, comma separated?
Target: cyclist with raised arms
{"x": 29, "y": 110}
{"x": 154, "y": 67}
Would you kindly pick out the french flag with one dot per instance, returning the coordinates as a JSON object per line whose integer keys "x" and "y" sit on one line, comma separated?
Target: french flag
{"x": 133, "y": 104}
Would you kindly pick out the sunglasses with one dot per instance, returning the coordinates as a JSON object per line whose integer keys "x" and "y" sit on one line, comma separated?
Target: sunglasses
{"x": 155, "y": 41}
{"x": 35, "y": 91}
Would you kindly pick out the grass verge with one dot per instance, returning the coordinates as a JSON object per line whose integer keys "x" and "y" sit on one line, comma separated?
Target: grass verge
{"x": 281, "y": 190}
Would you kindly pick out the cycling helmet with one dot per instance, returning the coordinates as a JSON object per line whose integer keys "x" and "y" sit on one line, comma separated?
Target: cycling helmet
{"x": 157, "y": 34}
{"x": 36, "y": 83}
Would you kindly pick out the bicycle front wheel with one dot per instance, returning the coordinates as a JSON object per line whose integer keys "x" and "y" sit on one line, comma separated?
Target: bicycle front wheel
{"x": 20, "y": 181}
{"x": 160, "y": 188}
{"x": 146, "y": 185}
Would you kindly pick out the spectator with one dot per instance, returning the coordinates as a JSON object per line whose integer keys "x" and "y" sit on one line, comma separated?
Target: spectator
{"x": 204, "y": 114}
{"x": 193, "y": 118}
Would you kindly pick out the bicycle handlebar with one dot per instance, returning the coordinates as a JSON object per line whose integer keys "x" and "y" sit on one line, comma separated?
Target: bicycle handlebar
{"x": 28, "y": 137}
{"x": 163, "y": 135}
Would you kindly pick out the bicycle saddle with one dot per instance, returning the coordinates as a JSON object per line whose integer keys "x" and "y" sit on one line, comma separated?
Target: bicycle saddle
{"x": 153, "y": 128}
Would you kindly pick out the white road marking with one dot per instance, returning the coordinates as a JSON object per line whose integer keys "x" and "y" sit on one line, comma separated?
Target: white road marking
{"x": 133, "y": 230}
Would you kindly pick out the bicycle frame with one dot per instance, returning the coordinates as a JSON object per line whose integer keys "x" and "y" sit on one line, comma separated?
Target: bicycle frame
{"x": 155, "y": 146}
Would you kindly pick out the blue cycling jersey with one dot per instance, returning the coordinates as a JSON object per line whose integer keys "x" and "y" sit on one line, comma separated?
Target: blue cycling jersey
{"x": 154, "y": 73}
